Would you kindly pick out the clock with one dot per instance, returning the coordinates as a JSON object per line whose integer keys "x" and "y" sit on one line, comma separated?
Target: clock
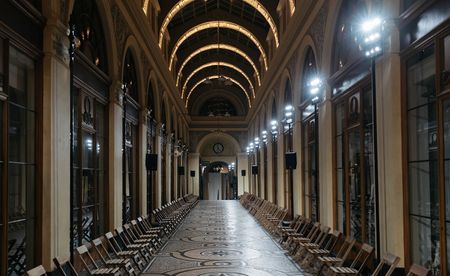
{"x": 217, "y": 147}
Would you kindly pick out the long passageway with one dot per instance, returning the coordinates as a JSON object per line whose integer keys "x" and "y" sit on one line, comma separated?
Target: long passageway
{"x": 221, "y": 238}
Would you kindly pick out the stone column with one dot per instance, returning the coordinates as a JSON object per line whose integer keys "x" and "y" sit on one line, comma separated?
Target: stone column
{"x": 327, "y": 204}
{"x": 389, "y": 126}
{"x": 298, "y": 183}
{"x": 142, "y": 148}
{"x": 270, "y": 170}
{"x": 115, "y": 156}
{"x": 55, "y": 141}
{"x": 194, "y": 164}
{"x": 157, "y": 186}
{"x": 243, "y": 181}
{"x": 281, "y": 172}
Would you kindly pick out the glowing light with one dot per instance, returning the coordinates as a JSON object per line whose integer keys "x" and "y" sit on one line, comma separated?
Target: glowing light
{"x": 217, "y": 24}
{"x": 216, "y": 77}
{"x": 216, "y": 64}
{"x": 218, "y": 46}
{"x": 371, "y": 24}
{"x": 292, "y": 6}
{"x": 254, "y": 3}
{"x": 145, "y": 6}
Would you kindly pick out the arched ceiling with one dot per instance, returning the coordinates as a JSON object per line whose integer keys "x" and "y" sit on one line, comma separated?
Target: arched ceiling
{"x": 211, "y": 43}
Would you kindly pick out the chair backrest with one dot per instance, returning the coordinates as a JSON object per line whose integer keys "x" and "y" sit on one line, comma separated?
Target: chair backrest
{"x": 86, "y": 258}
{"x": 37, "y": 271}
{"x": 417, "y": 270}
{"x": 345, "y": 249}
{"x": 64, "y": 266}
{"x": 332, "y": 240}
{"x": 97, "y": 244}
{"x": 361, "y": 258}
{"x": 387, "y": 260}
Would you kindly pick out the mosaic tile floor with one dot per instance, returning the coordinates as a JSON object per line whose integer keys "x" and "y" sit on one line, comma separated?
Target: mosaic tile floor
{"x": 221, "y": 238}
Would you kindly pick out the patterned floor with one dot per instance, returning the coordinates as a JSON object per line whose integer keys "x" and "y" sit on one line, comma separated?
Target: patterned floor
{"x": 221, "y": 238}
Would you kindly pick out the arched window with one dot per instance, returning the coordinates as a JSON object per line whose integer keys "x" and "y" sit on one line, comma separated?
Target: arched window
{"x": 90, "y": 40}
{"x": 164, "y": 194}
{"x": 90, "y": 121}
{"x": 309, "y": 141}
{"x": 346, "y": 50}
{"x": 274, "y": 156}
{"x": 353, "y": 136}
{"x": 130, "y": 208}
{"x": 130, "y": 76}
{"x": 151, "y": 142}
{"x": 309, "y": 72}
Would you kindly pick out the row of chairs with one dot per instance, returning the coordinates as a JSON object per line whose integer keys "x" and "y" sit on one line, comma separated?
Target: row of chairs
{"x": 317, "y": 249}
{"x": 130, "y": 250}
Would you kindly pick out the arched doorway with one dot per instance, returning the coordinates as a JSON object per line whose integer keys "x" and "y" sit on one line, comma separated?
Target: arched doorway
{"x": 218, "y": 180}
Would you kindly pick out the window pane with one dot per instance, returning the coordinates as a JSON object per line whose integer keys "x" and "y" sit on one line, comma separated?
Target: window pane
{"x": 447, "y": 53}
{"x": 21, "y": 135}
{"x": 21, "y": 79}
{"x": 422, "y": 133}
{"x": 100, "y": 120}
{"x": 88, "y": 144}
{"x": 446, "y": 130}
{"x": 423, "y": 190}
{"x": 420, "y": 75}
{"x": 88, "y": 191}
{"x": 355, "y": 183}
{"x": 425, "y": 238}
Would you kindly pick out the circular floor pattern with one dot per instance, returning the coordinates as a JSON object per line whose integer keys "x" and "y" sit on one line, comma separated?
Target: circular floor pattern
{"x": 233, "y": 263}
{"x": 220, "y": 271}
{"x": 211, "y": 228}
{"x": 211, "y": 238}
{"x": 216, "y": 254}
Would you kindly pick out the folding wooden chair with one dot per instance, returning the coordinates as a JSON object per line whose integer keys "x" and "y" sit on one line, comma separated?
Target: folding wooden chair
{"x": 387, "y": 260}
{"x": 91, "y": 266}
{"x": 105, "y": 257}
{"x": 120, "y": 252}
{"x": 339, "y": 258}
{"x": 37, "y": 271}
{"x": 417, "y": 270}
{"x": 64, "y": 266}
{"x": 358, "y": 264}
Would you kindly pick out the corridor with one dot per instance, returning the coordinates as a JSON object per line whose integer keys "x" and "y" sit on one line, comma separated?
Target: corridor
{"x": 221, "y": 238}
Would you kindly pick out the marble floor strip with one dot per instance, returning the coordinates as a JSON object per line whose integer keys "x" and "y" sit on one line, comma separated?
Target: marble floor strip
{"x": 221, "y": 238}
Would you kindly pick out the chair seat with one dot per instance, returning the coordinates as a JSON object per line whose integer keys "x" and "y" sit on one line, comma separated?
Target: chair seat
{"x": 116, "y": 261}
{"x": 309, "y": 245}
{"x": 318, "y": 251}
{"x": 330, "y": 260}
{"x": 343, "y": 270}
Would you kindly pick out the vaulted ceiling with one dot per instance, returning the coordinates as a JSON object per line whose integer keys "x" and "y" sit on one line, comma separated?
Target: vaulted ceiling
{"x": 218, "y": 50}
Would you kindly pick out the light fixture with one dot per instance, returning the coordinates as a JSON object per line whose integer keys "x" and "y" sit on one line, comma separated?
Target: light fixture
{"x": 264, "y": 136}
{"x": 371, "y": 34}
{"x": 315, "y": 86}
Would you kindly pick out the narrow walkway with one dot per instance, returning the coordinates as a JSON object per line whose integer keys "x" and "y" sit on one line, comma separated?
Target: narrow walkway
{"x": 221, "y": 238}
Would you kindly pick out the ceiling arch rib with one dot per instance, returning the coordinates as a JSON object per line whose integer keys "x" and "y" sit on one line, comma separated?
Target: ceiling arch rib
{"x": 218, "y": 47}
{"x": 212, "y": 77}
{"x": 254, "y": 3}
{"x": 218, "y": 24}
{"x": 218, "y": 63}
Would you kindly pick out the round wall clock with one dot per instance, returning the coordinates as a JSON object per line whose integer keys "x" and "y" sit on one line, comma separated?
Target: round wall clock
{"x": 217, "y": 147}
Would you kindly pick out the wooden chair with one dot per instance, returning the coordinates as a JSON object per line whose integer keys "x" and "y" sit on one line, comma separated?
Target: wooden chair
{"x": 106, "y": 258}
{"x": 37, "y": 271}
{"x": 91, "y": 266}
{"x": 64, "y": 266}
{"x": 417, "y": 270}
{"x": 339, "y": 258}
{"x": 120, "y": 252}
{"x": 387, "y": 260}
{"x": 358, "y": 264}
